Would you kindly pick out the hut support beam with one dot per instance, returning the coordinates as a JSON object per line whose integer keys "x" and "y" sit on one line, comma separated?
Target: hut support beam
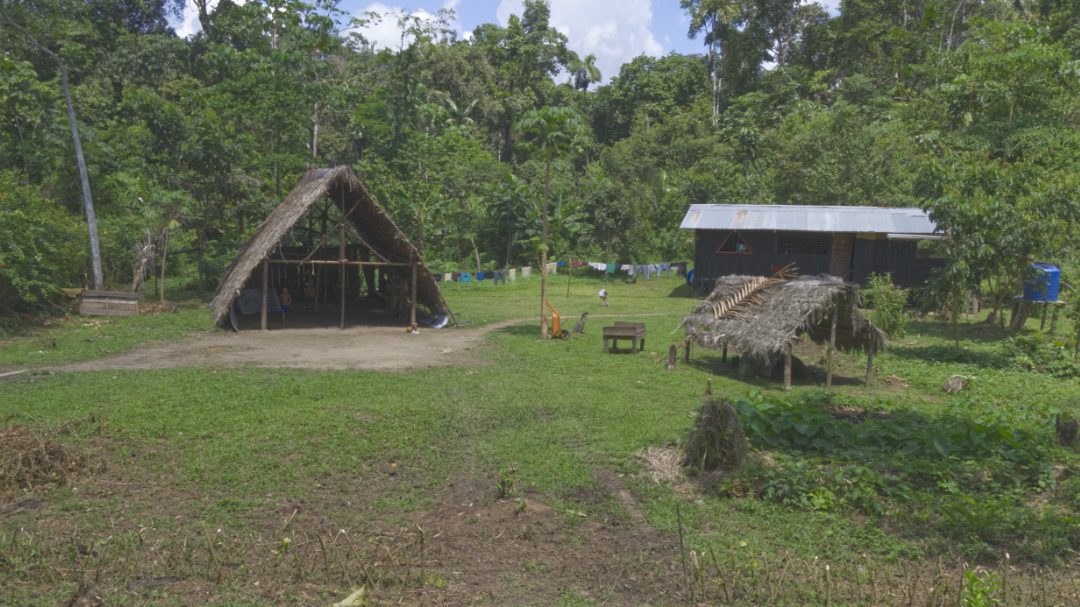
{"x": 723, "y": 357}
{"x": 341, "y": 258}
{"x": 412, "y": 297}
{"x": 265, "y": 292}
{"x": 787, "y": 367}
{"x": 686, "y": 355}
{"x": 832, "y": 349}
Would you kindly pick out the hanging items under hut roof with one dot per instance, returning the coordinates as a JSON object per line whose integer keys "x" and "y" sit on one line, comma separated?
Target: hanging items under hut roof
{"x": 763, "y": 316}
{"x": 363, "y": 220}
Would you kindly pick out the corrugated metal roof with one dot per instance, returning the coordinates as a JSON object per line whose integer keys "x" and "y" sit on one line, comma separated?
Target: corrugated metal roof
{"x": 806, "y": 218}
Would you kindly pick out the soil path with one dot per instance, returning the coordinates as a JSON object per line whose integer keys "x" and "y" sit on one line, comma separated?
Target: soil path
{"x": 371, "y": 348}
{"x": 368, "y": 348}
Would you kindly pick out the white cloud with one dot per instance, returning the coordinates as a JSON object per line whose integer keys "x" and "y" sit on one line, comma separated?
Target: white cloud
{"x": 615, "y": 33}
{"x": 189, "y": 21}
{"x": 833, "y": 6}
{"x": 385, "y": 32}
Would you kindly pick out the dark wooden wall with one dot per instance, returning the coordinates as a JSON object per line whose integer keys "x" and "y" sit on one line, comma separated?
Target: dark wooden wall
{"x": 895, "y": 256}
{"x": 898, "y": 257}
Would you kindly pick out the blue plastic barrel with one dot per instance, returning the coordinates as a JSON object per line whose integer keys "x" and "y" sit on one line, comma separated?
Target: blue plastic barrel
{"x": 690, "y": 278}
{"x": 1046, "y": 285}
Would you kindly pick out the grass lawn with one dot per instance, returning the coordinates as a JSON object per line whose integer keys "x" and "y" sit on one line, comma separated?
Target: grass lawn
{"x": 524, "y": 480}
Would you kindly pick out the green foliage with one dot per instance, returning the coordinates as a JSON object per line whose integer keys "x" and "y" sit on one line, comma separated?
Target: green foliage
{"x": 888, "y": 304}
{"x": 968, "y": 110}
{"x": 41, "y": 246}
{"x": 1043, "y": 354}
{"x": 964, "y": 474}
{"x": 815, "y": 425}
{"x": 979, "y": 589}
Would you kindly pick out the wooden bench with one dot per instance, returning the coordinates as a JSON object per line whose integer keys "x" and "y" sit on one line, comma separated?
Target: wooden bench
{"x": 633, "y": 331}
{"x": 108, "y": 303}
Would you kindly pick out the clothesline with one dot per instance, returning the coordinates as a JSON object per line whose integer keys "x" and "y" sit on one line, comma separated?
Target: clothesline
{"x": 646, "y": 270}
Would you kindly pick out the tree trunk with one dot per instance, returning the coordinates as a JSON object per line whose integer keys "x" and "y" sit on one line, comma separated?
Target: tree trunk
{"x": 476, "y": 253}
{"x": 315, "y": 132}
{"x": 84, "y": 178}
{"x": 543, "y": 252}
{"x": 164, "y": 257}
{"x": 509, "y": 249}
{"x": 204, "y": 17}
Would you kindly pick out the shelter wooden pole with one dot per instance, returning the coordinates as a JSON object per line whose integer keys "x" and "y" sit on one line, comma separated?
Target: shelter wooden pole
{"x": 412, "y": 295}
{"x": 832, "y": 348}
{"x": 342, "y": 288}
{"x": 869, "y": 363}
{"x": 723, "y": 357}
{"x": 686, "y": 357}
{"x": 341, "y": 259}
{"x": 265, "y": 292}
{"x": 787, "y": 367}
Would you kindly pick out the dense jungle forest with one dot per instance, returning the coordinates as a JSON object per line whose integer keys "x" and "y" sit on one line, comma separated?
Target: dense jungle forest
{"x": 967, "y": 108}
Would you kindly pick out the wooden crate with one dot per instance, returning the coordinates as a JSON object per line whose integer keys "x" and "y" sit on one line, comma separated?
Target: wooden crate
{"x": 108, "y": 303}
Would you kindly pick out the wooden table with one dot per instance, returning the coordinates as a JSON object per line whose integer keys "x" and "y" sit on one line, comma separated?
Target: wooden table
{"x": 633, "y": 331}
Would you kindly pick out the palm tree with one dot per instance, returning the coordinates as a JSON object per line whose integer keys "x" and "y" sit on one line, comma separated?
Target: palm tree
{"x": 584, "y": 72}
{"x": 549, "y": 132}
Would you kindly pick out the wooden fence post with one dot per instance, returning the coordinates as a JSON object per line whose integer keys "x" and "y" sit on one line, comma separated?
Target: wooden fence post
{"x": 265, "y": 291}
{"x": 787, "y": 367}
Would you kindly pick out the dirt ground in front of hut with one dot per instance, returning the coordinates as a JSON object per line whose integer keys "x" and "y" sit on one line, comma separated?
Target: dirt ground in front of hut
{"x": 376, "y": 348}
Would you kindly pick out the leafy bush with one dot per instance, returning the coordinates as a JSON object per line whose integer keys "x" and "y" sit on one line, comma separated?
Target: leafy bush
{"x": 41, "y": 246}
{"x": 887, "y": 303}
{"x": 1035, "y": 353}
{"x": 811, "y": 425}
{"x": 982, "y": 480}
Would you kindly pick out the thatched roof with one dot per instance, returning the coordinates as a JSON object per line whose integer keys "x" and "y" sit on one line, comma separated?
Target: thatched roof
{"x": 767, "y": 321}
{"x": 365, "y": 214}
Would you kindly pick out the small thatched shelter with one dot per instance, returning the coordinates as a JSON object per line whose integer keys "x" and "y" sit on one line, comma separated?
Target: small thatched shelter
{"x": 367, "y": 241}
{"x": 762, "y": 317}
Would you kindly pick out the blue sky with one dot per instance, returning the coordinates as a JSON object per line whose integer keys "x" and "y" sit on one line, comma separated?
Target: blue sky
{"x": 615, "y": 31}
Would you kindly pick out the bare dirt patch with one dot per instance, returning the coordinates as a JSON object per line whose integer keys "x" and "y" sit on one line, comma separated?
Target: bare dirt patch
{"x": 368, "y": 348}
{"x": 522, "y": 551}
{"x": 166, "y": 544}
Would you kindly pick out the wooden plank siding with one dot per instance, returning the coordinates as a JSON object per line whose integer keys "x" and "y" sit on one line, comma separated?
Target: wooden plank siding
{"x": 851, "y": 256}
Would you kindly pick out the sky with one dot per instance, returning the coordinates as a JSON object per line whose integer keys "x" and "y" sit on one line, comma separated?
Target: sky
{"x": 615, "y": 31}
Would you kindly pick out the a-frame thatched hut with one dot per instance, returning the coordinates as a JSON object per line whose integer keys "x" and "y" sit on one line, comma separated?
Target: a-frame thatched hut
{"x": 369, "y": 248}
{"x": 762, "y": 317}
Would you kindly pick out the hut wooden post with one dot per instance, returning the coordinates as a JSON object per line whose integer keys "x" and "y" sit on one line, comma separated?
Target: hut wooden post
{"x": 723, "y": 357}
{"x": 265, "y": 291}
{"x": 787, "y": 367}
{"x": 869, "y": 363}
{"x": 832, "y": 348}
{"x": 686, "y": 356}
{"x": 342, "y": 288}
{"x": 341, "y": 258}
{"x": 412, "y": 296}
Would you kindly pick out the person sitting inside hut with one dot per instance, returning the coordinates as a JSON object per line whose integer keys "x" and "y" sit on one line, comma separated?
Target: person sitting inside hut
{"x": 284, "y": 301}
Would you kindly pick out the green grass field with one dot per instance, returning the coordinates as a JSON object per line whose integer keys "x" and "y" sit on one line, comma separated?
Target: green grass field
{"x": 522, "y": 481}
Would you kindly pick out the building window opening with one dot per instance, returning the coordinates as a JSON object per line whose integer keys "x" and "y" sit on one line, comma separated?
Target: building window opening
{"x": 802, "y": 245}
{"x": 734, "y": 243}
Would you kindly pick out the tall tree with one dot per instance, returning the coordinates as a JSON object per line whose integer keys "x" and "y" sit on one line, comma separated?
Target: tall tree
{"x": 549, "y": 133}
{"x": 84, "y": 178}
{"x": 583, "y": 72}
